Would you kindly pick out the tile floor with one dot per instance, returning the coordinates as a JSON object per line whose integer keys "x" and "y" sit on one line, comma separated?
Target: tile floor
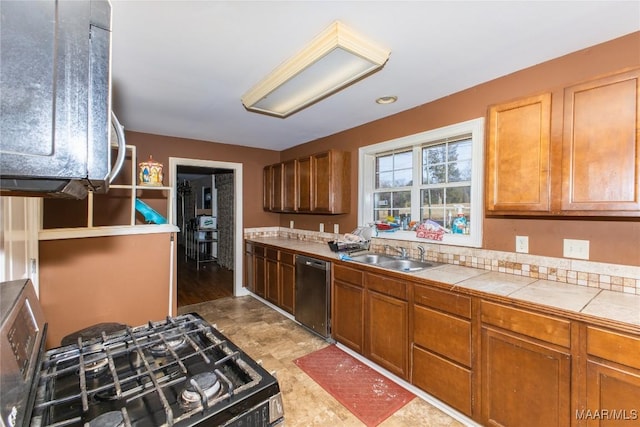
{"x": 272, "y": 338}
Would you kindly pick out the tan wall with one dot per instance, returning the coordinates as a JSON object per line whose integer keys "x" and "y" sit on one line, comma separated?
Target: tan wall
{"x": 122, "y": 279}
{"x": 610, "y": 241}
{"x": 253, "y": 161}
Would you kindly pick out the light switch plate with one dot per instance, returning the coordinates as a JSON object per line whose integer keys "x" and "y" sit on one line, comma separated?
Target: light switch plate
{"x": 576, "y": 249}
{"x": 336, "y": 228}
{"x": 522, "y": 244}
{"x": 322, "y": 227}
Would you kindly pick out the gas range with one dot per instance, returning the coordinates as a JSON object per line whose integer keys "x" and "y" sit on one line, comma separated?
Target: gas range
{"x": 180, "y": 371}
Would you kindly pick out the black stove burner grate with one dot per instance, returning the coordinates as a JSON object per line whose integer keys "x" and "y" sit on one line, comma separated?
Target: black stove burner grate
{"x": 138, "y": 377}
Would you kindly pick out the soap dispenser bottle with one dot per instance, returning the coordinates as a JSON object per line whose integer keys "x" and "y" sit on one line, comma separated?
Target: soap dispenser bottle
{"x": 460, "y": 222}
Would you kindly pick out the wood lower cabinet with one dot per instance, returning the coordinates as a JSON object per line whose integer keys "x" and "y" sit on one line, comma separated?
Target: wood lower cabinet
{"x": 526, "y": 368}
{"x": 272, "y": 287}
{"x": 287, "y": 281}
{"x": 260, "y": 270}
{"x": 441, "y": 347}
{"x": 249, "y": 267}
{"x": 386, "y": 325}
{"x": 347, "y": 314}
{"x": 613, "y": 379}
{"x": 274, "y": 275}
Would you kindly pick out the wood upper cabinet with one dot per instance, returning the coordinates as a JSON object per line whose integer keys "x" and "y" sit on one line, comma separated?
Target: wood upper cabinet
{"x": 317, "y": 184}
{"x": 583, "y": 160}
{"x": 601, "y": 145}
{"x": 304, "y": 184}
{"x": 526, "y": 368}
{"x": 517, "y": 155}
{"x": 331, "y": 182}
{"x": 289, "y": 186}
{"x": 267, "y": 188}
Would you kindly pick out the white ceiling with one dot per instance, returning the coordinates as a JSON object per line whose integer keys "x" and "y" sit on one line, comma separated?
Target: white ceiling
{"x": 180, "y": 67}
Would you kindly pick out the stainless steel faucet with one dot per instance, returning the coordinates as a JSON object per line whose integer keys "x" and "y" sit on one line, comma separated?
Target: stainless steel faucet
{"x": 400, "y": 249}
{"x": 421, "y": 249}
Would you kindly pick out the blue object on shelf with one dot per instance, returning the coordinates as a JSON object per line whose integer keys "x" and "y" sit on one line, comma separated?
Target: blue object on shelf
{"x": 150, "y": 215}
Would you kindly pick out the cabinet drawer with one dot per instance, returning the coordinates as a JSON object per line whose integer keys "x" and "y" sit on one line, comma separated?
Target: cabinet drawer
{"x": 442, "y": 333}
{"x": 546, "y": 328}
{"x": 617, "y": 347}
{"x": 272, "y": 254}
{"x": 385, "y": 285}
{"x": 287, "y": 258}
{"x": 442, "y": 378}
{"x": 259, "y": 250}
{"x": 459, "y": 305}
{"x": 346, "y": 274}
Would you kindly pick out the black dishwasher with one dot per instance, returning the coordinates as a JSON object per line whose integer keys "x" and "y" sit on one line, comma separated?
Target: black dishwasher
{"x": 313, "y": 294}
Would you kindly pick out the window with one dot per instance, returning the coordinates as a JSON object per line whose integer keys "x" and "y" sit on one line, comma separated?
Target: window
{"x": 434, "y": 175}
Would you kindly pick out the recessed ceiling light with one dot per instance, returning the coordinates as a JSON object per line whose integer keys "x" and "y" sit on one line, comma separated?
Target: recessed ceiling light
{"x": 386, "y": 99}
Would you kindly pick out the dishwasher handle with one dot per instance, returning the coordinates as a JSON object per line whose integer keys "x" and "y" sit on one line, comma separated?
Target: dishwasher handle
{"x": 312, "y": 262}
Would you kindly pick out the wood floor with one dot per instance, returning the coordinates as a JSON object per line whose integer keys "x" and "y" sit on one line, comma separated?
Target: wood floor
{"x": 209, "y": 283}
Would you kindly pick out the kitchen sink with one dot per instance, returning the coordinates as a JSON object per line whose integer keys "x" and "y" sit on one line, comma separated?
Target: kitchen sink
{"x": 372, "y": 258}
{"x": 393, "y": 262}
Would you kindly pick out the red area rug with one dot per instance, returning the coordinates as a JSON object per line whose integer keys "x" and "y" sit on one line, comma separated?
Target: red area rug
{"x": 368, "y": 395}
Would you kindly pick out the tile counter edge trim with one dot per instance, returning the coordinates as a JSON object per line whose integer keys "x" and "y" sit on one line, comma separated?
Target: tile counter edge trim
{"x": 613, "y": 277}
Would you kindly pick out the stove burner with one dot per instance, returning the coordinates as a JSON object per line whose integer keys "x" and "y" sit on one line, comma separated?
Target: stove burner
{"x": 206, "y": 382}
{"x": 108, "y": 419}
{"x": 163, "y": 348}
{"x": 96, "y": 366}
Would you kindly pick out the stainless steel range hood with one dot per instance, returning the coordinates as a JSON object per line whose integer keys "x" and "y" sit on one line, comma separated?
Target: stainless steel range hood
{"x": 56, "y": 124}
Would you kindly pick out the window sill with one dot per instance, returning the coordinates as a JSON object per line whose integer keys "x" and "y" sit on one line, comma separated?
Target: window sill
{"x": 448, "y": 239}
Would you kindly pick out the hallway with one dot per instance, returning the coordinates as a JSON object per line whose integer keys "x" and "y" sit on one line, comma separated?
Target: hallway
{"x": 209, "y": 283}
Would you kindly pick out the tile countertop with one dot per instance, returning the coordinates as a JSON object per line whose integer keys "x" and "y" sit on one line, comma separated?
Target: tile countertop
{"x": 593, "y": 302}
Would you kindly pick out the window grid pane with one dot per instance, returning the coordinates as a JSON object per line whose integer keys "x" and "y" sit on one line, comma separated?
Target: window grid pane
{"x": 394, "y": 169}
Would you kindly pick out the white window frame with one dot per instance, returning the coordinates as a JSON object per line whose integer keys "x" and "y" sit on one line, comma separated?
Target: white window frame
{"x": 366, "y": 180}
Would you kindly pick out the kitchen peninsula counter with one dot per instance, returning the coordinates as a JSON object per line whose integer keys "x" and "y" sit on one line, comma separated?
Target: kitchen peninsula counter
{"x": 598, "y": 306}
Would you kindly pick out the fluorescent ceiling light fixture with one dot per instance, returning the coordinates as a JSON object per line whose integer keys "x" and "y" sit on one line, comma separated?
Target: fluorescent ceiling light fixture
{"x": 336, "y": 58}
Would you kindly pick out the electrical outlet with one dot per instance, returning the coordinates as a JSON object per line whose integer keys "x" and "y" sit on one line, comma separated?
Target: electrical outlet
{"x": 291, "y": 224}
{"x": 522, "y": 244}
{"x": 336, "y": 228}
{"x": 576, "y": 249}
{"x": 322, "y": 227}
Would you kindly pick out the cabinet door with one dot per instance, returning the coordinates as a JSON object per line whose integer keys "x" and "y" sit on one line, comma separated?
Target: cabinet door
{"x": 289, "y": 186}
{"x": 518, "y": 177}
{"x": 272, "y": 285}
{"x": 322, "y": 197}
{"x": 387, "y": 333}
{"x": 600, "y": 147}
{"x": 612, "y": 396}
{"x": 348, "y": 315}
{"x": 524, "y": 383}
{"x": 249, "y": 278}
{"x": 287, "y": 278}
{"x": 267, "y": 188}
{"x": 304, "y": 184}
{"x": 277, "y": 201}
{"x": 260, "y": 273}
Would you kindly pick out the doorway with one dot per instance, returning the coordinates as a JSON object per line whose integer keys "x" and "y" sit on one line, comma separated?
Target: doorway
{"x": 196, "y": 198}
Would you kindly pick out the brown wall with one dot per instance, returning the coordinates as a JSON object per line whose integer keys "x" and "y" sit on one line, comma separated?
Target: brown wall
{"x": 122, "y": 279}
{"x": 253, "y": 161}
{"x": 610, "y": 241}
